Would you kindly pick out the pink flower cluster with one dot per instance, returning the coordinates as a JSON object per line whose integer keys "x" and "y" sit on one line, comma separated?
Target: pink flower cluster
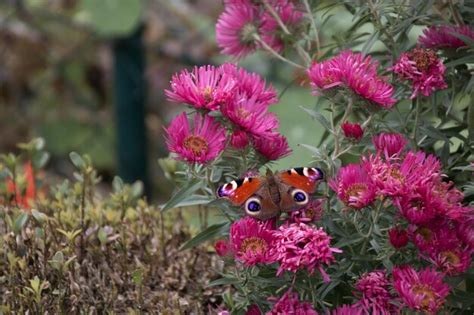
{"x": 424, "y": 69}
{"x": 242, "y": 99}
{"x": 289, "y": 303}
{"x": 294, "y": 246}
{"x": 374, "y": 293}
{"x": 245, "y": 24}
{"x": 356, "y": 73}
{"x": 446, "y": 36}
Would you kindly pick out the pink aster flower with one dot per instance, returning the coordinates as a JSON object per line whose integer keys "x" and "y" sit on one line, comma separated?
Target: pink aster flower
{"x": 452, "y": 261}
{"x": 299, "y": 246}
{"x": 398, "y": 237}
{"x": 250, "y": 115}
{"x": 235, "y": 29}
{"x": 250, "y": 85}
{"x": 374, "y": 293}
{"x": 422, "y": 291}
{"x": 389, "y": 144}
{"x": 465, "y": 230}
{"x": 312, "y": 212}
{"x": 355, "y": 72}
{"x": 200, "y": 144}
{"x": 205, "y": 87}
{"x": 273, "y": 146}
{"x": 289, "y": 303}
{"x": 434, "y": 236}
{"x": 419, "y": 205}
{"x": 270, "y": 29}
{"x": 352, "y": 131}
{"x": 239, "y": 139}
{"x": 348, "y": 310}
{"x": 400, "y": 177}
{"x": 424, "y": 69}
{"x": 222, "y": 248}
{"x": 253, "y": 310}
{"x": 251, "y": 241}
{"x": 353, "y": 186}
{"x": 444, "y": 36}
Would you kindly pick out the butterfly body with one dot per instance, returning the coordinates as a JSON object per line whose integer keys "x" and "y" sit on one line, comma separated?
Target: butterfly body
{"x": 265, "y": 197}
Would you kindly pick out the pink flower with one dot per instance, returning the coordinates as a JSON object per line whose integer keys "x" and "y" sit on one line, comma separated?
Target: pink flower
{"x": 444, "y": 36}
{"x": 272, "y": 147}
{"x": 348, "y": 310}
{"x": 239, "y": 139}
{"x": 424, "y": 69}
{"x": 389, "y": 144}
{"x": 250, "y": 85}
{"x": 398, "y": 237}
{"x": 205, "y": 87}
{"x": 353, "y": 186}
{"x": 270, "y": 29}
{"x": 299, "y": 246}
{"x": 419, "y": 205}
{"x": 312, "y": 212}
{"x": 222, "y": 248}
{"x": 253, "y": 310}
{"x": 251, "y": 241}
{"x": 352, "y": 131}
{"x": 452, "y": 261}
{"x": 250, "y": 115}
{"x": 422, "y": 291}
{"x": 200, "y": 144}
{"x": 434, "y": 236}
{"x": 235, "y": 29}
{"x": 375, "y": 290}
{"x": 355, "y": 72}
{"x": 289, "y": 303}
{"x": 465, "y": 230}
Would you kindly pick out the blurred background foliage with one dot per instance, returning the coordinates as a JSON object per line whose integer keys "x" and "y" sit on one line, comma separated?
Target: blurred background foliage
{"x": 56, "y": 73}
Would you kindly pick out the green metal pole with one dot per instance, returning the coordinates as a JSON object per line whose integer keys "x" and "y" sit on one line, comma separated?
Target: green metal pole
{"x": 129, "y": 92}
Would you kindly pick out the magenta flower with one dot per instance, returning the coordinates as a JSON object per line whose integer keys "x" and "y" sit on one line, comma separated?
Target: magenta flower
{"x": 222, "y": 248}
{"x": 312, "y": 212}
{"x": 352, "y": 131}
{"x": 251, "y": 241}
{"x": 270, "y": 30}
{"x": 239, "y": 139}
{"x": 434, "y": 236}
{"x": 348, "y": 310}
{"x": 205, "y": 87}
{"x": 422, "y": 291}
{"x": 250, "y": 85}
{"x": 465, "y": 230}
{"x": 419, "y": 205}
{"x": 353, "y": 186}
{"x": 200, "y": 144}
{"x": 355, "y": 72}
{"x": 272, "y": 147}
{"x": 389, "y": 144}
{"x": 250, "y": 115}
{"x": 398, "y": 237}
{"x": 299, "y": 246}
{"x": 289, "y": 303}
{"x": 235, "y": 29}
{"x": 452, "y": 261}
{"x": 444, "y": 36}
{"x": 423, "y": 69}
{"x": 374, "y": 293}
{"x": 253, "y": 310}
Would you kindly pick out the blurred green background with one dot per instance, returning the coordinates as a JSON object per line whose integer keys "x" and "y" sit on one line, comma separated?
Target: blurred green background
{"x": 57, "y": 76}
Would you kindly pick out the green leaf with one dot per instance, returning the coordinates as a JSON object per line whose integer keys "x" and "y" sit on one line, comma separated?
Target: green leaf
{"x": 112, "y": 17}
{"x": 209, "y": 233}
{"x": 223, "y": 281}
{"x": 183, "y": 194}
{"x": 137, "y": 276}
{"x": 370, "y": 42}
{"x": 39, "y": 217}
{"x": 77, "y": 160}
{"x": 320, "y": 117}
{"x": 20, "y": 222}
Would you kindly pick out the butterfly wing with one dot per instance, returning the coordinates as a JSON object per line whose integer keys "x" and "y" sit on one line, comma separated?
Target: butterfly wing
{"x": 296, "y": 186}
{"x": 239, "y": 190}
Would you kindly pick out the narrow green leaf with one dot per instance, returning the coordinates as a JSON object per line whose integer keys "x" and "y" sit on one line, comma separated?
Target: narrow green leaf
{"x": 183, "y": 194}
{"x": 209, "y": 233}
{"x": 370, "y": 42}
{"x": 77, "y": 160}
{"x": 20, "y": 222}
{"x": 320, "y": 117}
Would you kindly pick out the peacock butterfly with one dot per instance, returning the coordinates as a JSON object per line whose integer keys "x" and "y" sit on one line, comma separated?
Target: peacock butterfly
{"x": 265, "y": 197}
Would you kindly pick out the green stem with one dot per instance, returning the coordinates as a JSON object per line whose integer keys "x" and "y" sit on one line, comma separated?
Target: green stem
{"x": 276, "y": 54}
{"x": 313, "y": 26}
{"x": 276, "y": 17}
{"x": 416, "y": 104}
{"x": 373, "y": 223}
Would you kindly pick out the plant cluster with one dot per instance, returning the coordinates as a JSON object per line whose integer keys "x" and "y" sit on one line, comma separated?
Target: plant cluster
{"x": 388, "y": 232}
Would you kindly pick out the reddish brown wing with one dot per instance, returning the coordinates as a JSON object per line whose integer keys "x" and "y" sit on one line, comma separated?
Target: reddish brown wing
{"x": 304, "y": 178}
{"x": 238, "y": 191}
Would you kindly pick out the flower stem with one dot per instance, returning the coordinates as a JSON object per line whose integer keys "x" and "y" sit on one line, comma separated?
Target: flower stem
{"x": 313, "y": 26}
{"x": 276, "y": 17}
{"x": 373, "y": 223}
{"x": 276, "y": 54}
{"x": 416, "y": 104}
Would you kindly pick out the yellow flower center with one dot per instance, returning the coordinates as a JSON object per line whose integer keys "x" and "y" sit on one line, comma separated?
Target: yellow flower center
{"x": 197, "y": 144}
{"x": 354, "y": 190}
{"x": 425, "y": 232}
{"x": 254, "y": 245}
{"x": 207, "y": 93}
{"x": 395, "y": 173}
{"x": 423, "y": 58}
{"x": 242, "y": 113}
{"x": 427, "y": 292}
{"x": 451, "y": 257}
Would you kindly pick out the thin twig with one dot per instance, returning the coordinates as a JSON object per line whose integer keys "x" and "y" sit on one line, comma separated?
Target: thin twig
{"x": 276, "y": 54}
{"x": 276, "y": 17}
{"x": 313, "y": 26}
